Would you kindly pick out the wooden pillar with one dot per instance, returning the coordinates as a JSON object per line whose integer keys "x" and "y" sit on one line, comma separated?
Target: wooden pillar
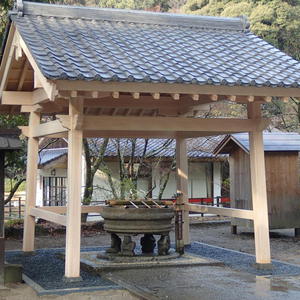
{"x": 182, "y": 189}
{"x": 72, "y": 263}
{"x": 259, "y": 191}
{"x": 2, "y": 240}
{"x": 31, "y": 183}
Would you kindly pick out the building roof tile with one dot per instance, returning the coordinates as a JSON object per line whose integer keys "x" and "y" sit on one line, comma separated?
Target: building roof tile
{"x": 77, "y": 43}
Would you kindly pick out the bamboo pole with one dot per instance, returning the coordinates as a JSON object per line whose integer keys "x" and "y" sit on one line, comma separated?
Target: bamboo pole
{"x": 138, "y": 202}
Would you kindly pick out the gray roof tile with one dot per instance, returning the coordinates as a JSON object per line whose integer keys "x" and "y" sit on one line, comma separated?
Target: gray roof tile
{"x": 197, "y": 148}
{"x": 120, "y": 45}
{"x": 273, "y": 141}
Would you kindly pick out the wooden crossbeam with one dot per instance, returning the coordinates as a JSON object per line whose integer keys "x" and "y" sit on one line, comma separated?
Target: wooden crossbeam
{"x": 63, "y": 209}
{"x": 49, "y": 128}
{"x": 17, "y": 98}
{"x": 24, "y": 98}
{"x": 167, "y": 124}
{"x": 222, "y": 211}
{"x": 48, "y": 215}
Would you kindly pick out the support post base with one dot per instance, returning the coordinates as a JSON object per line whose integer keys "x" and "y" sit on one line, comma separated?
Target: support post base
{"x": 72, "y": 279}
{"x": 28, "y": 253}
{"x": 12, "y": 273}
{"x": 263, "y": 266}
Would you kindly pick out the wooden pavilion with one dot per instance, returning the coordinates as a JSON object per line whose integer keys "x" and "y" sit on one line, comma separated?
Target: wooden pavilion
{"x": 118, "y": 73}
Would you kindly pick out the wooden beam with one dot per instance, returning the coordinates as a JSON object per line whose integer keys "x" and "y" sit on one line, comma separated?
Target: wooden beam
{"x": 285, "y": 99}
{"x": 182, "y": 194}
{"x": 173, "y": 124}
{"x": 48, "y": 216}
{"x": 195, "y": 97}
{"x": 24, "y": 130}
{"x": 268, "y": 99}
{"x": 156, "y": 96}
{"x": 63, "y": 209}
{"x": 116, "y": 95}
{"x": 231, "y": 98}
{"x": 175, "y": 96}
{"x": 259, "y": 190}
{"x": 176, "y": 88}
{"x": 31, "y": 184}
{"x": 49, "y": 128}
{"x": 31, "y": 108}
{"x": 72, "y": 261}
{"x": 251, "y": 98}
{"x": 24, "y": 98}
{"x": 23, "y": 75}
{"x": 73, "y": 94}
{"x": 39, "y": 96}
{"x": 36, "y": 81}
{"x": 135, "y": 95}
{"x": 222, "y": 211}
{"x": 7, "y": 59}
{"x": 91, "y": 208}
{"x": 214, "y": 97}
{"x": 17, "y": 98}
{"x": 49, "y": 86}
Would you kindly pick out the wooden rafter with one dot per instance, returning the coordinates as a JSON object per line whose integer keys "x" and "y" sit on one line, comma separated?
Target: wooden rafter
{"x": 8, "y": 58}
{"x": 49, "y": 87}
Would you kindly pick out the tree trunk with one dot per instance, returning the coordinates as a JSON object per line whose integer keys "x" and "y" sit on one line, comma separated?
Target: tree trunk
{"x": 13, "y": 190}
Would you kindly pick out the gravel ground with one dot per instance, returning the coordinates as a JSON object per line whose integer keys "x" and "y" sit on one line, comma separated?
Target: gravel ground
{"x": 47, "y": 270}
{"x": 241, "y": 261}
{"x": 284, "y": 246}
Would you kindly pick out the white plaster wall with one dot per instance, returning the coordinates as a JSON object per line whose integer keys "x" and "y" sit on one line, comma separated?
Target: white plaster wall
{"x": 197, "y": 182}
{"x": 217, "y": 179}
{"x": 102, "y": 191}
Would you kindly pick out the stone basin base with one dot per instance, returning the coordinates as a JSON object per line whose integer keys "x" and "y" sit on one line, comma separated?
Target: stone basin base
{"x": 138, "y": 257}
{"x": 90, "y": 262}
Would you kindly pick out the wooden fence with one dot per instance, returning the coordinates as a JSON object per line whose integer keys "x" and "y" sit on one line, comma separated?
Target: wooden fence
{"x": 16, "y": 207}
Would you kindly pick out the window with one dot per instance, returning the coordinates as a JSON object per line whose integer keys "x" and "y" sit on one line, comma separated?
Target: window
{"x": 54, "y": 191}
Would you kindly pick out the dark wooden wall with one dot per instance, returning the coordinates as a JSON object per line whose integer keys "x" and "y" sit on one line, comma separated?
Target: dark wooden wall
{"x": 283, "y": 187}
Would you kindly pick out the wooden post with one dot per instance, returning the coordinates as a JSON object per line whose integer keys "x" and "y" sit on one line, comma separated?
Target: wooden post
{"x": 31, "y": 182}
{"x": 72, "y": 263}
{"x": 2, "y": 240}
{"x": 259, "y": 191}
{"x": 182, "y": 188}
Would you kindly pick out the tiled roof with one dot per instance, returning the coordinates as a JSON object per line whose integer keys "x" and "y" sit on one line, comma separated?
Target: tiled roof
{"x": 273, "y": 141}
{"x": 119, "y": 45}
{"x": 197, "y": 148}
{"x": 48, "y": 155}
{"x": 9, "y": 139}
